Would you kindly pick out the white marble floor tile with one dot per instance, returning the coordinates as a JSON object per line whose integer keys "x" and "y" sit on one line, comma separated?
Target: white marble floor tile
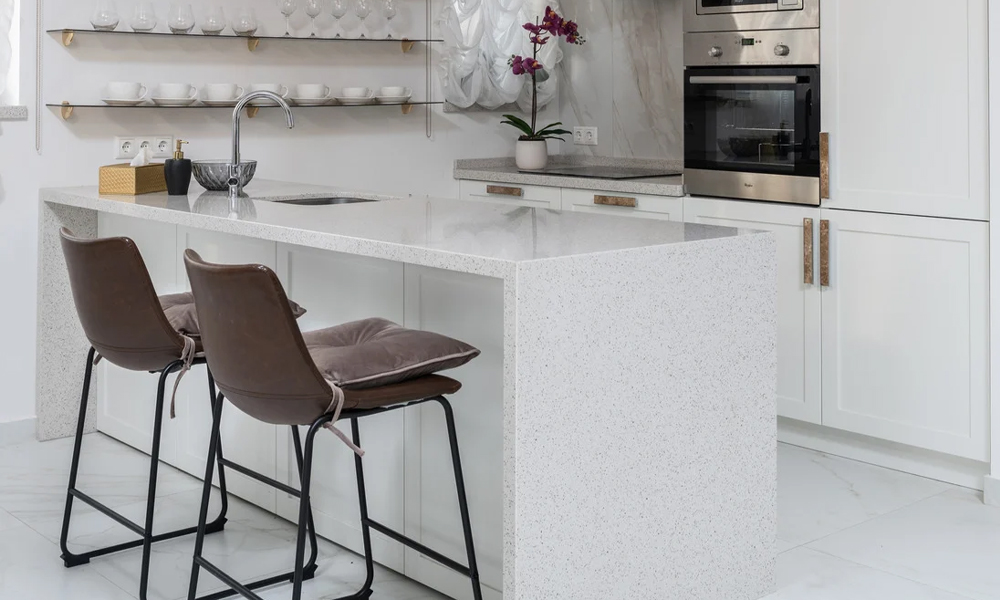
{"x": 819, "y": 494}
{"x": 8, "y": 521}
{"x": 950, "y": 541}
{"x": 35, "y": 475}
{"x": 785, "y": 546}
{"x": 30, "y": 570}
{"x": 805, "y": 574}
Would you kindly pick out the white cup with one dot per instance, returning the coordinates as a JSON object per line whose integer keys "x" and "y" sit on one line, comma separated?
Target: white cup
{"x": 355, "y": 92}
{"x": 223, "y": 92}
{"x": 396, "y": 90}
{"x": 176, "y": 91}
{"x": 277, "y": 88}
{"x": 122, "y": 90}
{"x": 312, "y": 91}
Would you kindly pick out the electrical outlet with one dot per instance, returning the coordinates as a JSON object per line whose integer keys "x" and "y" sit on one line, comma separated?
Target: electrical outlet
{"x": 126, "y": 148}
{"x": 585, "y": 136}
{"x": 163, "y": 146}
{"x": 160, "y": 146}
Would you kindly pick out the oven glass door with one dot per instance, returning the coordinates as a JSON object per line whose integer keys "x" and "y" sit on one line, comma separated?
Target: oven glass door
{"x": 755, "y": 120}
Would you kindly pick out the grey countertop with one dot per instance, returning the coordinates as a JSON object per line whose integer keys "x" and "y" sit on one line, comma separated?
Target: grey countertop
{"x": 503, "y": 170}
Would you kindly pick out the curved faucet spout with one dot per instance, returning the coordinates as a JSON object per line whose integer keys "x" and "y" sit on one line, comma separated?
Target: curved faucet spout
{"x": 235, "y": 185}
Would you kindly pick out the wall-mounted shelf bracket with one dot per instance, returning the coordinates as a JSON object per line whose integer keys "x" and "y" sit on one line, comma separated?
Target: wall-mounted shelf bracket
{"x": 66, "y": 111}
{"x": 252, "y": 43}
{"x": 67, "y": 37}
{"x": 406, "y": 45}
{"x": 252, "y": 111}
{"x": 406, "y": 108}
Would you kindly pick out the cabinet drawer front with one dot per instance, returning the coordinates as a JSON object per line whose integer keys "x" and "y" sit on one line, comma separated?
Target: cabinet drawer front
{"x": 625, "y": 205}
{"x": 507, "y": 193}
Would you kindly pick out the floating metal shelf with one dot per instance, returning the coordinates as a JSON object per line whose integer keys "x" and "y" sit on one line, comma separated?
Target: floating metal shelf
{"x": 66, "y": 108}
{"x": 68, "y": 35}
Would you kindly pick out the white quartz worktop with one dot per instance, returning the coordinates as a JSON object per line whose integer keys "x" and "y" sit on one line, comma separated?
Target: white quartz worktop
{"x": 477, "y": 237}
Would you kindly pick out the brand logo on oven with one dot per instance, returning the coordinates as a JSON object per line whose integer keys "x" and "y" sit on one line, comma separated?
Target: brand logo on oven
{"x": 747, "y": 185}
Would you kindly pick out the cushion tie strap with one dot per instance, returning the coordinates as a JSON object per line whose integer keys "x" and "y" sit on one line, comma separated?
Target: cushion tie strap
{"x": 98, "y": 359}
{"x": 337, "y": 405}
{"x": 187, "y": 356}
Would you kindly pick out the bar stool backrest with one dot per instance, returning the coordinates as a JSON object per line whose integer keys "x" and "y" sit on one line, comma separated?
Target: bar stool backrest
{"x": 117, "y": 304}
{"x": 253, "y": 345}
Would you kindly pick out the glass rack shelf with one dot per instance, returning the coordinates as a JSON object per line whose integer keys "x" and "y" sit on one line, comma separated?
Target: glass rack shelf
{"x": 68, "y": 35}
{"x": 66, "y": 108}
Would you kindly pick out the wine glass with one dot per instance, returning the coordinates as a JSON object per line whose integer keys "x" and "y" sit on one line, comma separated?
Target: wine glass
{"x": 144, "y": 18}
{"x": 215, "y": 20}
{"x": 288, "y": 8}
{"x": 105, "y": 17}
{"x": 313, "y": 9}
{"x": 388, "y": 11}
{"x": 181, "y": 18}
{"x": 338, "y": 12}
{"x": 362, "y": 9}
{"x": 245, "y": 23}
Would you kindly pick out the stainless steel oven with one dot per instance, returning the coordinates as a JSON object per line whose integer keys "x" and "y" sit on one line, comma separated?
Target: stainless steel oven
{"x": 752, "y": 115}
{"x": 749, "y": 15}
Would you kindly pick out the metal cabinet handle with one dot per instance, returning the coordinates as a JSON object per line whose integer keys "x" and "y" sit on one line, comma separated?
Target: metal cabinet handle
{"x": 824, "y": 253}
{"x": 807, "y": 251}
{"x": 615, "y": 201}
{"x": 824, "y": 166}
{"x": 501, "y": 190}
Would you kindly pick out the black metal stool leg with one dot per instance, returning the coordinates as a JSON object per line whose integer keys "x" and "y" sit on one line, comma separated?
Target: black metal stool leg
{"x": 206, "y": 495}
{"x": 366, "y": 532}
{"x": 70, "y": 559}
{"x": 463, "y": 502}
{"x": 220, "y": 522}
{"x": 304, "y": 510}
{"x": 309, "y": 571}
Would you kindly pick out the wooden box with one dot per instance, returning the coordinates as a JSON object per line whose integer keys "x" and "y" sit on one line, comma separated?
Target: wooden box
{"x": 131, "y": 181}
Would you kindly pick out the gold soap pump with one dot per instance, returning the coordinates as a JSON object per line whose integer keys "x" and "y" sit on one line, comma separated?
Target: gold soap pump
{"x": 177, "y": 171}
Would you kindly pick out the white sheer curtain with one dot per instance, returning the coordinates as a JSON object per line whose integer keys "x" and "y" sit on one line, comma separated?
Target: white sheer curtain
{"x": 480, "y": 37}
{"x": 6, "y": 48}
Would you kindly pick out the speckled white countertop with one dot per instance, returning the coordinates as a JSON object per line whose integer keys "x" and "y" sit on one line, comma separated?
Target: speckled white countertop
{"x": 473, "y": 237}
{"x": 503, "y": 170}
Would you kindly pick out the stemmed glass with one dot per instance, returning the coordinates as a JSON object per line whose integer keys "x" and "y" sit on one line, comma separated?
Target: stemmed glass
{"x": 144, "y": 18}
{"x": 105, "y": 17}
{"x": 362, "y": 9}
{"x": 245, "y": 23}
{"x": 181, "y": 18}
{"x": 288, "y": 8}
{"x": 313, "y": 9}
{"x": 338, "y": 12}
{"x": 388, "y": 11}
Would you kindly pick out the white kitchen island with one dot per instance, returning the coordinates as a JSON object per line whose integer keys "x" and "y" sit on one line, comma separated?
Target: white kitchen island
{"x": 618, "y": 430}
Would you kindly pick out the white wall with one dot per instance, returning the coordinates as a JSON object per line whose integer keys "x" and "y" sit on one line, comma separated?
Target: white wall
{"x": 362, "y": 148}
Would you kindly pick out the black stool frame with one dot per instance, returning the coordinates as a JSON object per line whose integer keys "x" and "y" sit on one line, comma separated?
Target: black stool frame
{"x": 305, "y": 571}
{"x": 146, "y": 531}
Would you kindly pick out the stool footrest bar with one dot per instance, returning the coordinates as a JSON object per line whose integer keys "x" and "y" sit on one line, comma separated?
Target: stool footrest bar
{"x": 117, "y": 517}
{"x": 415, "y": 545}
{"x": 261, "y": 478}
{"x": 246, "y": 590}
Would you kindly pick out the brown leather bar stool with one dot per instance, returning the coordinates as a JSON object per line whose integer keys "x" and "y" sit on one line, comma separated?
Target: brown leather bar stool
{"x": 273, "y": 372}
{"x": 124, "y": 321}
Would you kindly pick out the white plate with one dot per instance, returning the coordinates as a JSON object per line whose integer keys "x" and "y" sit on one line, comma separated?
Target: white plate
{"x": 393, "y": 99}
{"x": 120, "y": 102}
{"x": 219, "y": 102}
{"x": 311, "y": 101}
{"x": 174, "y": 101}
{"x": 355, "y": 101}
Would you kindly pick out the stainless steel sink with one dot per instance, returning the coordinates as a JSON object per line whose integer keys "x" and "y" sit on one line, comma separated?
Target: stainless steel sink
{"x": 325, "y": 201}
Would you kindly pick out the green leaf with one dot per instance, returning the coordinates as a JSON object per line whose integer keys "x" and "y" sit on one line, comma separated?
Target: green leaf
{"x": 520, "y": 123}
{"x": 554, "y": 132}
{"x": 548, "y": 127}
{"x": 522, "y": 127}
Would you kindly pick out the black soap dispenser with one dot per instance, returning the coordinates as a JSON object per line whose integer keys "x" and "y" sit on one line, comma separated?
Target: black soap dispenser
{"x": 177, "y": 171}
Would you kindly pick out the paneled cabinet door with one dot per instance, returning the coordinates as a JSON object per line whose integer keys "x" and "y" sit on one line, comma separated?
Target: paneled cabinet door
{"x": 533, "y": 196}
{"x": 624, "y": 205}
{"x": 905, "y": 321}
{"x": 905, "y": 102}
{"x": 798, "y": 293}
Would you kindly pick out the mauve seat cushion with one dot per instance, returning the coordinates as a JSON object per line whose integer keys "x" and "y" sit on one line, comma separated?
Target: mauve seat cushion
{"x": 376, "y": 352}
{"x": 182, "y": 315}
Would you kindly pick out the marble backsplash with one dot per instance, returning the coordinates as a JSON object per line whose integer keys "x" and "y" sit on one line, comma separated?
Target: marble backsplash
{"x": 628, "y": 79}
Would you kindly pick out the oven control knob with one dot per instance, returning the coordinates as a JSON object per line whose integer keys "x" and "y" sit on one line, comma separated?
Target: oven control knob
{"x": 781, "y": 50}
{"x": 715, "y": 52}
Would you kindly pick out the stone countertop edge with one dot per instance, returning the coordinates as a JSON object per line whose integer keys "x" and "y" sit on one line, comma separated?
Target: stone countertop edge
{"x": 13, "y": 113}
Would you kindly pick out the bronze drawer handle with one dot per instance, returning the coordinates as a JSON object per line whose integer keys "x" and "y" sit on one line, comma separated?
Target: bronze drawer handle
{"x": 824, "y": 253}
{"x": 807, "y": 251}
{"x": 615, "y": 201}
{"x": 502, "y": 190}
{"x": 824, "y": 166}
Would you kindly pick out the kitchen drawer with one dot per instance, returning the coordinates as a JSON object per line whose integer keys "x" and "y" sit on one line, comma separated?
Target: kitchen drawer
{"x": 505, "y": 193}
{"x": 626, "y": 205}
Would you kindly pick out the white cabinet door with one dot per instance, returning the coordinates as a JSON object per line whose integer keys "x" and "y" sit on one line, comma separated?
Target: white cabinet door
{"x": 905, "y": 101}
{"x": 534, "y": 196}
{"x": 905, "y": 320}
{"x": 624, "y": 205}
{"x": 799, "y": 383}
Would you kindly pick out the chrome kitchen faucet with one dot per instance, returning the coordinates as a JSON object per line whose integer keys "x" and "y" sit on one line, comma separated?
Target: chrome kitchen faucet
{"x": 235, "y": 174}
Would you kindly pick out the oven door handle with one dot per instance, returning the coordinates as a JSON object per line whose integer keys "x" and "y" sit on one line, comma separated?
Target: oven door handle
{"x": 743, "y": 79}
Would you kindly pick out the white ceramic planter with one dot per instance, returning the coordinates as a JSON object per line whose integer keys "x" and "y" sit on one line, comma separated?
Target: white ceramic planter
{"x": 531, "y": 154}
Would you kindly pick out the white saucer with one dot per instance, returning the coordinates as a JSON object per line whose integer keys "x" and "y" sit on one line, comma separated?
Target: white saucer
{"x": 355, "y": 100}
{"x": 393, "y": 99}
{"x": 120, "y": 102}
{"x": 264, "y": 102}
{"x": 220, "y": 102}
{"x": 311, "y": 101}
{"x": 174, "y": 101}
